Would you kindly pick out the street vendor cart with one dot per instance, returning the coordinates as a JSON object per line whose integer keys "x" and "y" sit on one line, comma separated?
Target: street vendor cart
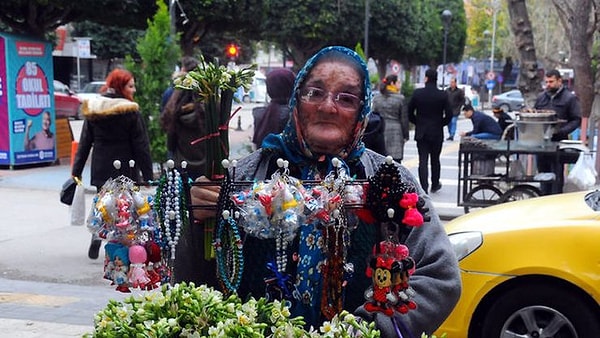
{"x": 492, "y": 171}
{"x": 481, "y": 182}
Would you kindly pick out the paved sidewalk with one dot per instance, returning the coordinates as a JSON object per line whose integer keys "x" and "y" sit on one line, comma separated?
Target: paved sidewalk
{"x": 39, "y": 309}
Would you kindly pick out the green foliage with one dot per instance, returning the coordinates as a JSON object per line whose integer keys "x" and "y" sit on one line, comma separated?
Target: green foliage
{"x": 38, "y": 17}
{"x": 108, "y": 42}
{"x": 429, "y": 33}
{"x": 215, "y": 23}
{"x": 373, "y": 77}
{"x": 158, "y": 54}
{"x": 360, "y": 51}
{"x": 304, "y": 27}
{"x": 408, "y": 86}
{"x": 409, "y": 31}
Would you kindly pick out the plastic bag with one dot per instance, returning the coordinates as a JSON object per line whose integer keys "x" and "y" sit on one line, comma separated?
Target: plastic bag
{"x": 583, "y": 174}
{"x": 78, "y": 206}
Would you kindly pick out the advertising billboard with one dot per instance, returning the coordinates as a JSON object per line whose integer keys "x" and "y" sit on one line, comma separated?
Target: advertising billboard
{"x": 27, "y": 130}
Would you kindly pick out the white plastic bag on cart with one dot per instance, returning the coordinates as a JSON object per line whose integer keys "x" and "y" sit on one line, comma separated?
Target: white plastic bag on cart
{"x": 583, "y": 174}
{"x": 78, "y": 206}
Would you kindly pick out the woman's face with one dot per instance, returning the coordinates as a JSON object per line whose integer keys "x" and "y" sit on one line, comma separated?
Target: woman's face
{"x": 328, "y": 126}
{"x": 129, "y": 88}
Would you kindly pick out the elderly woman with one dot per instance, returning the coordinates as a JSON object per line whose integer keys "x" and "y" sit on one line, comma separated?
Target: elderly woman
{"x": 330, "y": 107}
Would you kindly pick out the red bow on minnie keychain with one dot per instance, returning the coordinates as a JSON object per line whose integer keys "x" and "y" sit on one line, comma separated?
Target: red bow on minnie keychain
{"x": 412, "y": 216}
{"x": 387, "y": 190}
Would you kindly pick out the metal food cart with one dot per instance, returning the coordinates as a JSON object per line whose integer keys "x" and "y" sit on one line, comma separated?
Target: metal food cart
{"x": 492, "y": 171}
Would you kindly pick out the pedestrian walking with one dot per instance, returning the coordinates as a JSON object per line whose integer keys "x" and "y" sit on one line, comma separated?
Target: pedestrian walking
{"x": 429, "y": 110}
{"x": 114, "y": 128}
{"x": 390, "y": 104}
{"x": 457, "y": 100}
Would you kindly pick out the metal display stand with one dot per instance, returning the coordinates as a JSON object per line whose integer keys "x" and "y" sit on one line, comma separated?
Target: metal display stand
{"x": 482, "y": 183}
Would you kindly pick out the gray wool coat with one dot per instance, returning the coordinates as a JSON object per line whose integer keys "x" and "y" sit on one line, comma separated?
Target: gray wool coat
{"x": 392, "y": 109}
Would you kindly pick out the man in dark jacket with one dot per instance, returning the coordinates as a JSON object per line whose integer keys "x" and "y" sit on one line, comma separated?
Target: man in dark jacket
{"x": 429, "y": 110}
{"x": 484, "y": 126}
{"x": 566, "y": 105}
{"x": 456, "y": 96}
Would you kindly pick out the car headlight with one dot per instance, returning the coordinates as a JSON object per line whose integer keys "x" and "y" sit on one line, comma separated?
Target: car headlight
{"x": 465, "y": 242}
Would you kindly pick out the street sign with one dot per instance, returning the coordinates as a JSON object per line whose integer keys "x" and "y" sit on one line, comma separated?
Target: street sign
{"x": 500, "y": 78}
{"x": 83, "y": 47}
{"x": 395, "y": 67}
{"x": 490, "y": 84}
{"x": 490, "y": 75}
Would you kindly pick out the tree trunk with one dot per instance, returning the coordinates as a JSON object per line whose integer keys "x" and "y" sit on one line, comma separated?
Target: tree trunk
{"x": 529, "y": 78}
{"x": 579, "y": 27}
{"x": 580, "y": 33}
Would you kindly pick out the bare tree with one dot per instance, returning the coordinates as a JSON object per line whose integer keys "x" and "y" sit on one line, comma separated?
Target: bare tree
{"x": 521, "y": 27}
{"x": 579, "y": 19}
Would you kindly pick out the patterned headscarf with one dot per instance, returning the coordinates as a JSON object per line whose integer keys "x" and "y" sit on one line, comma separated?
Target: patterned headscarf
{"x": 292, "y": 143}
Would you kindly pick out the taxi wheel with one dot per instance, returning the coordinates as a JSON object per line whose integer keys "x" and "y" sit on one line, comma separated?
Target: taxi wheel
{"x": 541, "y": 311}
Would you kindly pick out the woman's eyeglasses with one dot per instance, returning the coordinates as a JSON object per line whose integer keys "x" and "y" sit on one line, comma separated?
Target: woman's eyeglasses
{"x": 342, "y": 100}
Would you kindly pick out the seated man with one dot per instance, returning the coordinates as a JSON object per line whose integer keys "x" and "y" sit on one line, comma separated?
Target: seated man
{"x": 484, "y": 126}
{"x": 504, "y": 121}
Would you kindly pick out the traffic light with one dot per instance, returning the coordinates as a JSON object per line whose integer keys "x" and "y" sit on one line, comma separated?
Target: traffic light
{"x": 232, "y": 51}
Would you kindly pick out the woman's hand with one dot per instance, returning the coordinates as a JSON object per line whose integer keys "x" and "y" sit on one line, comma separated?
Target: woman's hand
{"x": 204, "y": 195}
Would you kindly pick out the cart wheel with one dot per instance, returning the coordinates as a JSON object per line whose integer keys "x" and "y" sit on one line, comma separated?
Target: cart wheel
{"x": 520, "y": 192}
{"x": 482, "y": 196}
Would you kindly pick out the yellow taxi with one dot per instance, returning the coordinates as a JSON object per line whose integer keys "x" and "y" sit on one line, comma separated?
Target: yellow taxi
{"x": 529, "y": 268}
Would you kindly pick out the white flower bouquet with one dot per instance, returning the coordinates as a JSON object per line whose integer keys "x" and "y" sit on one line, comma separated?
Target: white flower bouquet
{"x": 184, "y": 310}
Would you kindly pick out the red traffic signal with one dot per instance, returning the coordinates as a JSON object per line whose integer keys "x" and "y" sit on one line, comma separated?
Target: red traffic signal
{"x": 232, "y": 51}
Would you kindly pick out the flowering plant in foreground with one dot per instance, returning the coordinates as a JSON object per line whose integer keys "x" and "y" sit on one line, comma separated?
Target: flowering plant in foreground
{"x": 426, "y": 336}
{"x": 184, "y": 310}
{"x": 215, "y": 84}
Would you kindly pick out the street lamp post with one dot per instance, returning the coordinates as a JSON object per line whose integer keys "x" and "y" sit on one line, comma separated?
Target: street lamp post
{"x": 446, "y": 17}
{"x": 494, "y": 15}
{"x": 367, "y": 15}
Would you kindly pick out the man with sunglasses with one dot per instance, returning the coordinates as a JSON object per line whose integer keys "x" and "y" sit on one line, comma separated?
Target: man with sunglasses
{"x": 429, "y": 110}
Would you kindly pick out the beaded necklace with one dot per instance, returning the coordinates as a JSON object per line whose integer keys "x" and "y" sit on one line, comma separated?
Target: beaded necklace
{"x": 228, "y": 242}
{"x": 336, "y": 238}
{"x": 171, "y": 210}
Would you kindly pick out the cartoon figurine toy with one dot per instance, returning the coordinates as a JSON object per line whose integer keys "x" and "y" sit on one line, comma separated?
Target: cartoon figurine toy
{"x": 120, "y": 265}
{"x": 138, "y": 277}
{"x": 379, "y": 296}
